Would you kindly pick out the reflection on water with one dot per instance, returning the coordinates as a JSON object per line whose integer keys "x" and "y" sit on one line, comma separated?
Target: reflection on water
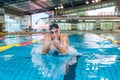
{"x": 92, "y": 63}
{"x": 114, "y": 36}
{"x": 49, "y": 65}
{"x": 96, "y": 63}
{"x": 7, "y": 57}
{"x": 102, "y": 59}
{"x": 89, "y": 40}
{"x": 13, "y": 39}
{"x": 53, "y": 66}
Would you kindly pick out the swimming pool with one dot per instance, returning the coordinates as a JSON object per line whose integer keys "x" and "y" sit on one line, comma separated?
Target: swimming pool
{"x": 99, "y": 59}
{"x": 13, "y": 39}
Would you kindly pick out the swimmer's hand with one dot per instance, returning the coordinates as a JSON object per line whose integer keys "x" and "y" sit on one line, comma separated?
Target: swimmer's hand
{"x": 59, "y": 46}
{"x": 55, "y": 42}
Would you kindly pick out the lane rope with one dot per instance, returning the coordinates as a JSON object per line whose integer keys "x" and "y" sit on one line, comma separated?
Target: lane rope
{"x": 112, "y": 40}
{"x": 3, "y": 48}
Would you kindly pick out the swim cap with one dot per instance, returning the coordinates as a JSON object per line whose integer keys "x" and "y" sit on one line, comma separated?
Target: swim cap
{"x": 53, "y": 26}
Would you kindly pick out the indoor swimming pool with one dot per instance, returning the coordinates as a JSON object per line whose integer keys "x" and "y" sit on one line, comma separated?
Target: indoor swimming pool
{"x": 91, "y": 57}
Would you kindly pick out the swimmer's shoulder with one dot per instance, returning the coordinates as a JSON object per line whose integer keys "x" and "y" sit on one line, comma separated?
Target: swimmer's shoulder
{"x": 63, "y": 35}
{"x": 47, "y": 34}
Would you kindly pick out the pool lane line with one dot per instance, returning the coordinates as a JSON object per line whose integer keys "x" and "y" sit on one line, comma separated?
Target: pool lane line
{"x": 1, "y": 38}
{"x": 4, "y": 37}
{"x": 114, "y": 41}
{"x": 3, "y": 48}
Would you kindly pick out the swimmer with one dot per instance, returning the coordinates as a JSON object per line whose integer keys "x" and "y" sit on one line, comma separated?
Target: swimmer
{"x": 55, "y": 41}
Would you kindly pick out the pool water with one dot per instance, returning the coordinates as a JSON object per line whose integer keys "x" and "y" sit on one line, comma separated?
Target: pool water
{"x": 96, "y": 59}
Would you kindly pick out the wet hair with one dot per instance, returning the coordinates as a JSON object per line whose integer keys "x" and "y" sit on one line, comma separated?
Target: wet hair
{"x": 53, "y": 26}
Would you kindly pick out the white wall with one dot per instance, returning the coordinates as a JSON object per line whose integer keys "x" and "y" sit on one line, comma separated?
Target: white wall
{"x": 12, "y": 23}
{"x": 25, "y": 20}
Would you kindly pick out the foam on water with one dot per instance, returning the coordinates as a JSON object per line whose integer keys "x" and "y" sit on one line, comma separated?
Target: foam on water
{"x": 48, "y": 64}
{"x": 71, "y": 50}
{"x": 102, "y": 59}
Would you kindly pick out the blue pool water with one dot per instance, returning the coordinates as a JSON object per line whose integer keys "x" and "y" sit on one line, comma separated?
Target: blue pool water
{"x": 95, "y": 59}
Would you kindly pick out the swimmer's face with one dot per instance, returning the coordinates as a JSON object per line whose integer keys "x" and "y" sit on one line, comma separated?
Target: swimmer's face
{"x": 54, "y": 32}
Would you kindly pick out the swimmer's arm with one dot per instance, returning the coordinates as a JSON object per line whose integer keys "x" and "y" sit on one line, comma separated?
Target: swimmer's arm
{"x": 59, "y": 47}
{"x": 45, "y": 49}
{"x": 46, "y": 44}
{"x": 63, "y": 47}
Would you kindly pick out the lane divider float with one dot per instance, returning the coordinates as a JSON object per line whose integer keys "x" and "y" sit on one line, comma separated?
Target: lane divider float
{"x": 5, "y": 47}
{"x": 25, "y": 43}
{"x": 18, "y": 36}
{"x": 114, "y": 41}
{"x": 19, "y": 44}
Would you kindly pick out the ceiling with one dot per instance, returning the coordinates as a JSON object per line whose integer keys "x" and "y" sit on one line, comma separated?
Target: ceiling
{"x": 21, "y": 7}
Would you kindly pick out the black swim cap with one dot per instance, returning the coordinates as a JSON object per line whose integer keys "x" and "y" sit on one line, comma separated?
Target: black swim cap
{"x": 53, "y": 26}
